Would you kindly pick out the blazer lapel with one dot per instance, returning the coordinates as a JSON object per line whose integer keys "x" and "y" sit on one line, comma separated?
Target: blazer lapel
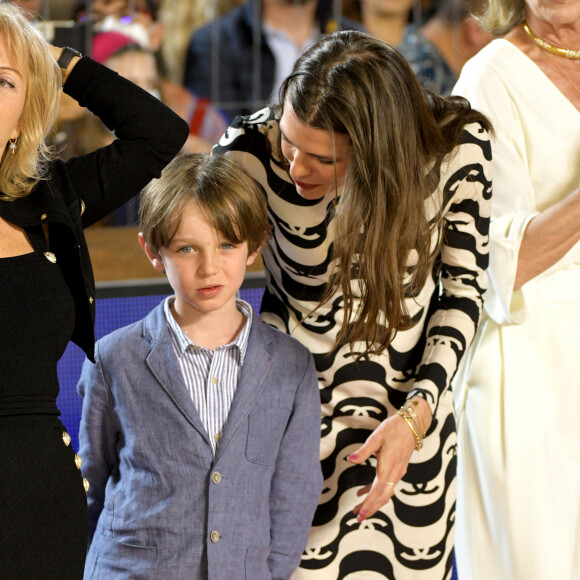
{"x": 163, "y": 364}
{"x": 254, "y": 376}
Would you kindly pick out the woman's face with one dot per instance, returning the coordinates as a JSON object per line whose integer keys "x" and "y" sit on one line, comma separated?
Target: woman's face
{"x": 316, "y": 166}
{"x": 543, "y": 15}
{"x": 387, "y": 7}
{"x": 13, "y": 82}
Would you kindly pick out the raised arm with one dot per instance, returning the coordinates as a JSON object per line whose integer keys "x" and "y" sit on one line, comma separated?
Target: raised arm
{"x": 148, "y": 135}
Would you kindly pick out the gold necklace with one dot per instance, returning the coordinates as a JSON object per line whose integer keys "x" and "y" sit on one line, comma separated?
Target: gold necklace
{"x": 565, "y": 52}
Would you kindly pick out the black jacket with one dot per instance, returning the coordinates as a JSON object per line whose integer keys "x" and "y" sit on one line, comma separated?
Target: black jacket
{"x": 242, "y": 84}
{"x": 85, "y": 189}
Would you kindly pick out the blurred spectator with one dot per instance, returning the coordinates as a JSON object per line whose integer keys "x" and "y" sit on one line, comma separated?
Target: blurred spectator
{"x": 119, "y": 23}
{"x": 136, "y": 18}
{"x": 386, "y": 19}
{"x": 438, "y": 50}
{"x": 124, "y": 55}
{"x": 240, "y": 59}
{"x": 180, "y": 18}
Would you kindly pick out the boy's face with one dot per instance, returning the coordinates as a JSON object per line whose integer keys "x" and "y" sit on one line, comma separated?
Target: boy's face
{"x": 204, "y": 269}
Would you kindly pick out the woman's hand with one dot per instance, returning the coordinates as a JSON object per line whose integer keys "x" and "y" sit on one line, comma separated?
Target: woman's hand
{"x": 393, "y": 443}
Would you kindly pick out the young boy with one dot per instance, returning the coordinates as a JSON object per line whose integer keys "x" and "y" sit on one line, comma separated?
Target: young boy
{"x": 200, "y": 430}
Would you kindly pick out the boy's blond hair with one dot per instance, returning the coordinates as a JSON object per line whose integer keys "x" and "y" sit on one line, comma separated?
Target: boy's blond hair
{"x": 233, "y": 203}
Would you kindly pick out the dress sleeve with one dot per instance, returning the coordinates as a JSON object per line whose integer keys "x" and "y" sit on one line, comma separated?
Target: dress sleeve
{"x": 456, "y": 307}
{"x": 513, "y": 198}
{"x": 252, "y": 141}
{"x": 148, "y": 135}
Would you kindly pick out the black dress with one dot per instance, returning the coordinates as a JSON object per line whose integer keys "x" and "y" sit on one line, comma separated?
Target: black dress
{"x": 43, "y": 532}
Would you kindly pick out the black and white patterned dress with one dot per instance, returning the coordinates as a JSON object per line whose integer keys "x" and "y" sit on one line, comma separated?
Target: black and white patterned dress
{"x": 412, "y": 536}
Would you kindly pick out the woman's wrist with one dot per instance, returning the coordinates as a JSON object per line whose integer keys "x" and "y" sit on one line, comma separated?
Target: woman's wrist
{"x": 419, "y": 413}
{"x": 66, "y": 58}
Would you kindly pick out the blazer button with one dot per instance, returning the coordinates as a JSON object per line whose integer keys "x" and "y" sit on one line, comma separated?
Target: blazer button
{"x": 66, "y": 438}
{"x": 78, "y": 461}
{"x": 91, "y": 299}
{"x": 214, "y": 536}
{"x": 86, "y": 484}
{"x": 43, "y": 217}
{"x": 216, "y": 477}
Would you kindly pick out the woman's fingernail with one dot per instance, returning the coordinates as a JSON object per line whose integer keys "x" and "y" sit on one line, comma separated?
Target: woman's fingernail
{"x": 362, "y": 515}
{"x": 353, "y": 457}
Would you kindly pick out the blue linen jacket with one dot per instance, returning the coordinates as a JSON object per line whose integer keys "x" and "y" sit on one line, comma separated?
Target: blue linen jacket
{"x": 160, "y": 505}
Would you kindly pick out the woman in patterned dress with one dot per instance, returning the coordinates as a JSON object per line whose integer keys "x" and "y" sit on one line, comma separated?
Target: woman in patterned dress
{"x": 379, "y": 194}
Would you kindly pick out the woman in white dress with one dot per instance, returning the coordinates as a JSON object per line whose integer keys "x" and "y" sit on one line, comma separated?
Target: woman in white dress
{"x": 518, "y": 398}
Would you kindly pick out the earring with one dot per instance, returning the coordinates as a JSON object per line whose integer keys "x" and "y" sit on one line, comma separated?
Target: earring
{"x": 13, "y": 143}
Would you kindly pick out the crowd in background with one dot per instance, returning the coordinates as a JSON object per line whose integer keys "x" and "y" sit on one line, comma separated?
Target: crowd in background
{"x": 516, "y": 399}
{"x": 210, "y": 60}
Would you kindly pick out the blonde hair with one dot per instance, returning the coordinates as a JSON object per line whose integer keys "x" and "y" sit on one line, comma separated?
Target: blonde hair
{"x": 233, "y": 203}
{"x": 354, "y": 84}
{"x": 501, "y": 16}
{"x": 19, "y": 172}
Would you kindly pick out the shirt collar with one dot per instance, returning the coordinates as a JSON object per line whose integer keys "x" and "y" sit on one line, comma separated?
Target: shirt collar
{"x": 183, "y": 342}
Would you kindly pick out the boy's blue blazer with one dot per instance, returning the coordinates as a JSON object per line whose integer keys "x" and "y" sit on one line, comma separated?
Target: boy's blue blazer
{"x": 160, "y": 506}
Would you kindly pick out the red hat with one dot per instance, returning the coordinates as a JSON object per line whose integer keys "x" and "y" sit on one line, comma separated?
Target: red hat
{"x": 106, "y": 44}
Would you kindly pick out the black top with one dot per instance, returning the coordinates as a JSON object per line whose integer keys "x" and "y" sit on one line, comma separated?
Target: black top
{"x": 33, "y": 287}
{"x": 85, "y": 189}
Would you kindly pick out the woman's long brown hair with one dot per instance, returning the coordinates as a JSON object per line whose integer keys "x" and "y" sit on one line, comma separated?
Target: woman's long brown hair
{"x": 356, "y": 85}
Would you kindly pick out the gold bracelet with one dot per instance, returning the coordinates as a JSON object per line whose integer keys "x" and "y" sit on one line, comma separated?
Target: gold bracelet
{"x": 411, "y": 412}
{"x": 423, "y": 423}
{"x": 410, "y": 423}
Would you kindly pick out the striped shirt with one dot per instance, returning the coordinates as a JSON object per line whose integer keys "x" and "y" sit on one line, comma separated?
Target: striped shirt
{"x": 211, "y": 377}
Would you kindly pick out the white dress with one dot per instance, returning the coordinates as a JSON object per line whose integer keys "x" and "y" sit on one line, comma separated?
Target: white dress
{"x": 517, "y": 395}
{"x": 411, "y": 538}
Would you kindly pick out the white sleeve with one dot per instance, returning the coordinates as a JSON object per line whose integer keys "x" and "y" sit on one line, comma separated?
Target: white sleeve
{"x": 513, "y": 194}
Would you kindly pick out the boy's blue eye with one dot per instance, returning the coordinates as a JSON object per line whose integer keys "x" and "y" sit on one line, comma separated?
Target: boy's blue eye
{"x": 228, "y": 246}
{"x": 185, "y": 250}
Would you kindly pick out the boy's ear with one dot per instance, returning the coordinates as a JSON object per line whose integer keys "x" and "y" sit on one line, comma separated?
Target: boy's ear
{"x": 252, "y": 257}
{"x": 153, "y": 258}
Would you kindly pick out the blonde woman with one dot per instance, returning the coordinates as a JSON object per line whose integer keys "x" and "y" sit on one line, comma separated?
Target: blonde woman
{"x": 47, "y": 289}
